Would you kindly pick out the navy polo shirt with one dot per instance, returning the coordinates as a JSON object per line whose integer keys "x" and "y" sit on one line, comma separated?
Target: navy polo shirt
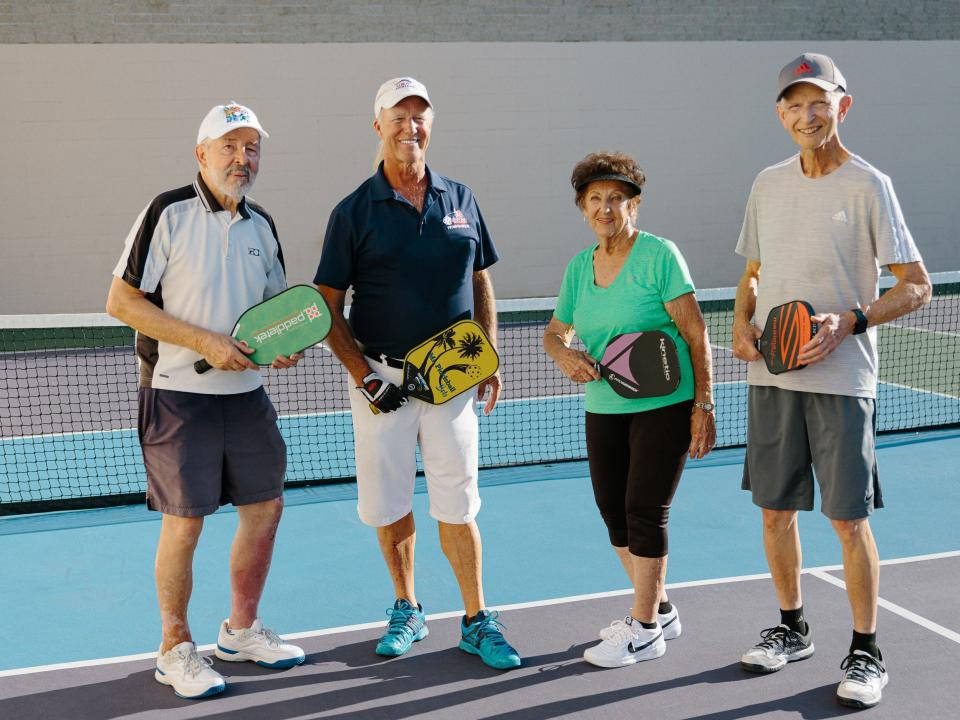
{"x": 411, "y": 272}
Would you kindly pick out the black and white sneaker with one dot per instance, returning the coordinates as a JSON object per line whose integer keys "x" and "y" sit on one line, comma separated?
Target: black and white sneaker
{"x": 626, "y": 642}
{"x": 779, "y": 646}
{"x": 864, "y": 678}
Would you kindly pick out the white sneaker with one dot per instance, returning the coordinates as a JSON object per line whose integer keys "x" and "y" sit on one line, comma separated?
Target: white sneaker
{"x": 626, "y": 642}
{"x": 190, "y": 675}
{"x": 258, "y": 644}
{"x": 864, "y": 678}
{"x": 670, "y": 622}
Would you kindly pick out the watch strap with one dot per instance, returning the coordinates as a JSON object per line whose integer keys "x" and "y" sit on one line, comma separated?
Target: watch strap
{"x": 861, "y": 325}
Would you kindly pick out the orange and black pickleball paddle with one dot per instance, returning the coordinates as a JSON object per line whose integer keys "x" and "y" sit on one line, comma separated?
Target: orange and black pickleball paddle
{"x": 788, "y": 329}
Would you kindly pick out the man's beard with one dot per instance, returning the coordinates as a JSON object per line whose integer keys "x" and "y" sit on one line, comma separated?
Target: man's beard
{"x": 234, "y": 188}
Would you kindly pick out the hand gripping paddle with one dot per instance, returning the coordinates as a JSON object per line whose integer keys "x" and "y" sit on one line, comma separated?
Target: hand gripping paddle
{"x": 448, "y": 364}
{"x": 285, "y": 324}
{"x": 641, "y": 364}
{"x": 788, "y": 328}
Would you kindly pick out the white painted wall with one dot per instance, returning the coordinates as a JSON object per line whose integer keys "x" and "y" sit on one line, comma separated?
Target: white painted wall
{"x": 92, "y": 132}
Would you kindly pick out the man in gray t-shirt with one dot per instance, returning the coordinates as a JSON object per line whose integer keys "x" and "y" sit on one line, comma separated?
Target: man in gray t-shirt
{"x": 821, "y": 224}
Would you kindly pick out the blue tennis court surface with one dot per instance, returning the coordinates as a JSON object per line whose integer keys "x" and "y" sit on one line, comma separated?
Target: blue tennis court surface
{"x": 83, "y": 581}
{"x": 83, "y": 590}
{"x": 40, "y": 458}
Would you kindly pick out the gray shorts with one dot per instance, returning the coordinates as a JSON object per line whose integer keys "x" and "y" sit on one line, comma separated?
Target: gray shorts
{"x": 203, "y": 451}
{"x": 788, "y": 431}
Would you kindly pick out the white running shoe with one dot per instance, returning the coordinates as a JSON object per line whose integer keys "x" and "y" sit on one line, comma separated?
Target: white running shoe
{"x": 780, "y": 645}
{"x": 626, "y": 642}
{"x": 190, "y": 675}
{"x": 257, "y": 644}
{"x": 670, "y": 622}
{"x": 864, "y": 678}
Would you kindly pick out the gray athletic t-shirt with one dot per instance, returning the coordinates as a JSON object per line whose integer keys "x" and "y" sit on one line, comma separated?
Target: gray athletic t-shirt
{"x": 824, "y": 240}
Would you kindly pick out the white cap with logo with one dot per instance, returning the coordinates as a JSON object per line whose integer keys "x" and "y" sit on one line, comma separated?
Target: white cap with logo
{"x": 223, "y": 118}
{"x": 395, "y": 90}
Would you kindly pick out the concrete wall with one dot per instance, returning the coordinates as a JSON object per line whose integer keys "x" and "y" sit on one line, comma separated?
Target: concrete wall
{"x": 302, "y": 21}
{"x": 92, "y": 132}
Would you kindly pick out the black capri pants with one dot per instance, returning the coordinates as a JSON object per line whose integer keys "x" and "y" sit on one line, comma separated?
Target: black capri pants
{"x": 636, "y": 460}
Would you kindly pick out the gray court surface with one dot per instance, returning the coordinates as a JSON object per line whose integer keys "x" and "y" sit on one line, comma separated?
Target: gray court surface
{"x": 699, "y": 677}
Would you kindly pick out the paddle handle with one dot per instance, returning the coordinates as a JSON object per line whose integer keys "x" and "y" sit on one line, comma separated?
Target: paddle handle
{"x": 201, "y": 366}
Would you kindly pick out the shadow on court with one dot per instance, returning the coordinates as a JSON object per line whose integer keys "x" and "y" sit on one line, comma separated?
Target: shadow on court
{"x": 699, "y": 677}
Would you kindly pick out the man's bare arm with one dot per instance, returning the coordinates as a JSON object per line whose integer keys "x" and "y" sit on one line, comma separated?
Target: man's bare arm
{"x": 129, "y": 305}
{"x": 745, "y": 333}
{"x": 485, "y": 313}
{"x": 341, "y": 340}
{"x": 912, "y": 291}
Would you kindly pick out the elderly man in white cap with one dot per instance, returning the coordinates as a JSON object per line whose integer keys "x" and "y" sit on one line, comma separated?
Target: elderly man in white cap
{"x": 413, "y": 246}
{"x": 821, "y": 223}
{"x": 195, "y": 259}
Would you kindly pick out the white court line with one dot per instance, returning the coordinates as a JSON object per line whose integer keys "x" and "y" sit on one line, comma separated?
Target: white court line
{"x": 946, "y": 396}
{"x": 819, "y": 572}
{"x": 900, "y": 326}
{"x": 896, "y": 609}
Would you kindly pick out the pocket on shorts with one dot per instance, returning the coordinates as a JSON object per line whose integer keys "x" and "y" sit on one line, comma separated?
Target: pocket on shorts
{"x": 261, "y": 399}
{"x": 147, "y": 401}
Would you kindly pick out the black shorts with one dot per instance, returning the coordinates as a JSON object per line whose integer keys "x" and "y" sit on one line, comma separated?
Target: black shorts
{"x": 203, "y": 451}
{"x": 636, "y": 460}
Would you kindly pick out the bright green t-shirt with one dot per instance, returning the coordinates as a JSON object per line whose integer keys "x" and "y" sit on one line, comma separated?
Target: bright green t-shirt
{"x": 654, "y": 273}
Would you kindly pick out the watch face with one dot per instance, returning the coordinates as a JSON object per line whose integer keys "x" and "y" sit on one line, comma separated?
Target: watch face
{"x": 706, "y": 406}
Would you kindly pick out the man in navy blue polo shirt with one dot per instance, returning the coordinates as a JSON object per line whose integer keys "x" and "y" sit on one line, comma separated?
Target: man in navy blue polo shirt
{"x": 413, "y": 246}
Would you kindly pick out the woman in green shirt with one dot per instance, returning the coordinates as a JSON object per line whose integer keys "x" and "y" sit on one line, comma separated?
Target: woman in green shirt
{"x": 632, "y": 281}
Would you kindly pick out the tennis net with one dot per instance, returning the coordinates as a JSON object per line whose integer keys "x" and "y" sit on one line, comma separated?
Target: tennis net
{"x": 68, "y": 398}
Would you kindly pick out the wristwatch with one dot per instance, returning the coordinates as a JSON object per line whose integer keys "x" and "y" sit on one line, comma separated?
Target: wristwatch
{"x": 861, "y": 325}
{"x": 705, "y": 406}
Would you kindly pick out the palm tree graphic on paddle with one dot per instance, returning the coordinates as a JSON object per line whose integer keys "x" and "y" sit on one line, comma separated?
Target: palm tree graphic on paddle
{"x": 468, "y": 347}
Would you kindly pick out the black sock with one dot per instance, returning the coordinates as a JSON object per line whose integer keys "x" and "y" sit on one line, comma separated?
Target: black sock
{"x": 646, "y": 626}
{"x": 664, "y": 608}
{"x": 793, "y": 619}
{"x": 867, "y": 642}
{"x": 472, "y": 620}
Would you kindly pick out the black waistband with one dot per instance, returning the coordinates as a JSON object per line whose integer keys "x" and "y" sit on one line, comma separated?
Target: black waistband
{"x": 385, "y": 359}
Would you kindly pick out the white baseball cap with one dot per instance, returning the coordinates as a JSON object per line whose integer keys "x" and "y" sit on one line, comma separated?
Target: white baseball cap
{"x": 395, "y": 90}
{"x": 223, "y": 118}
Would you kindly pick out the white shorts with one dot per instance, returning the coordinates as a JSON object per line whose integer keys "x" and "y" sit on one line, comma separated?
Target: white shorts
{"x": 385, "y": 447}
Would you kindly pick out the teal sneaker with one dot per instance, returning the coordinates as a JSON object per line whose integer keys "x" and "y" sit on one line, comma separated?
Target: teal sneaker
{"x": 483, "y": 637}
{"x": 407, "y": 625}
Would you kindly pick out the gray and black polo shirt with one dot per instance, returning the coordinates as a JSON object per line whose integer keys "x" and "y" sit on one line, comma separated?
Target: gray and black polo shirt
{"x": 191, "y": 258}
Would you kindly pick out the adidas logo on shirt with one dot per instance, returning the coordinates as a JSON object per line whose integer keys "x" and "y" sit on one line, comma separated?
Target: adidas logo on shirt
{"x": 840, "y": 217}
